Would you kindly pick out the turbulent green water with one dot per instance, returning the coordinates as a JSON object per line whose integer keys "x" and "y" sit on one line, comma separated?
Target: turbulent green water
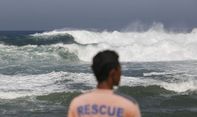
{"x": 40, "y": 73}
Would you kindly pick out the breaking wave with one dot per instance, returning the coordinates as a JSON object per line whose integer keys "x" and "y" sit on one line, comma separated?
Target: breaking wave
{"x": 152, "y": 45}
{"x": 15, "y": 86}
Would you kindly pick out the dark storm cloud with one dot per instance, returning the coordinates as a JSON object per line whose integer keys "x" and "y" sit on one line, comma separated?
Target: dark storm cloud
{"x": 99, "y": 14}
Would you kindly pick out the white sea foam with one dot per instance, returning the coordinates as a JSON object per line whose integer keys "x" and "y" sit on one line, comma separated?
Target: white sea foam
{"x": 190, "y": 85}
{"x": 179, "y": 87}
{"x": 28, "y": 85}
{"x": 152, "y": 45}
{"x": 155, "y": 73}
{"x": 13, "y": 55}
{"x": 31, "y": 85}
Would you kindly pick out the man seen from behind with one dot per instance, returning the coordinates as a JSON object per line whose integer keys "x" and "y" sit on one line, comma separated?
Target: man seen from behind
{"x": 103, "y": 102}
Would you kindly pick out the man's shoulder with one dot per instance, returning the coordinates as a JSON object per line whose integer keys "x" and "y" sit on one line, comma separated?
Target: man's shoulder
{"x": 81, "y": 96}
{"x": 126, "y": 97}
{"x": 120, "y": 96}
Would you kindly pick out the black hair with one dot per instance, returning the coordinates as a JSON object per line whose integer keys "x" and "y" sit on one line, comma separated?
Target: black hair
{"x": 103, "y": 63}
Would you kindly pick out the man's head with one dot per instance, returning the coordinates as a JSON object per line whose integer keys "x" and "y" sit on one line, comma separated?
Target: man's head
{"x": 106, "y": 67}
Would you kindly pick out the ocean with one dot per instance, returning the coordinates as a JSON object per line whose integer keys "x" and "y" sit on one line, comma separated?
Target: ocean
{"x": 42, "y": 71}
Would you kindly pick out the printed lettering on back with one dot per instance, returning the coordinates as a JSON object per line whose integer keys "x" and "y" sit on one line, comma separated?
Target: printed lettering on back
{"x": 95, "y": 109}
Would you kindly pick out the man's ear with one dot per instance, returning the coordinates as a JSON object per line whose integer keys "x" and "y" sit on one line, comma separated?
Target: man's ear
{"x": 112, "y": 74}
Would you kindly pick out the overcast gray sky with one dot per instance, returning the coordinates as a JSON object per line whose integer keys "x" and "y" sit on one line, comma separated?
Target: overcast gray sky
{"x": 97, "y": 14}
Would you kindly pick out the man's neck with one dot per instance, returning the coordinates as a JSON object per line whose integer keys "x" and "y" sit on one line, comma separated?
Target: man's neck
{"x": 105, "y": 85}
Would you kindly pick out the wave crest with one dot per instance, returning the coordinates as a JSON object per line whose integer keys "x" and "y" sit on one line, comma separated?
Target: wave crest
{"x": 152, "y": 45}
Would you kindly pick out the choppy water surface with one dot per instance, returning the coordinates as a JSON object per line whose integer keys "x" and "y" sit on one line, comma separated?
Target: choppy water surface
{"x": 40, "y": 72}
